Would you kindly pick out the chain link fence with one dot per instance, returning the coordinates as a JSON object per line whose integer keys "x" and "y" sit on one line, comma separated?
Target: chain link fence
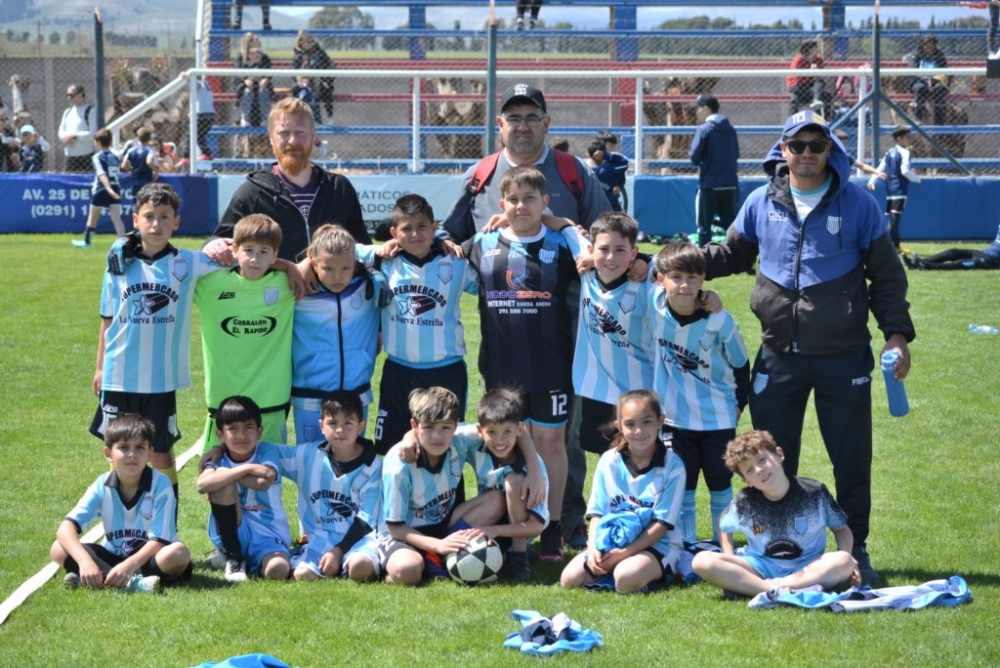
{"x": 370, "y": 128}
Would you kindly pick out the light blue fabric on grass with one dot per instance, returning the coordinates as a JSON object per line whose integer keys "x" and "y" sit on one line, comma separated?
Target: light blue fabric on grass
{"x": 950, "y": 593}
{"x": 544, "y": 636}
{"x": 246, "y": 661}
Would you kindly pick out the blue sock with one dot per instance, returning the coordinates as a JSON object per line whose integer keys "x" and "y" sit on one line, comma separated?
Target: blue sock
{"x": 718, "y": 502}
{"x": 689, "y": 521}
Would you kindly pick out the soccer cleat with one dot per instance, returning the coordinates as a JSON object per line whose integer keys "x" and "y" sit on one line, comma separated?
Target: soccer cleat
{"x": 143, "y": 585}
{"x": 912, "y": 260}
{"x": 531, "y": 24}
{"x": 80, "y": 243}
{"x": 517, "y": 567}
{"x": 578, "y": 539}
{"x": 72, "y": 580}
{"x": 235, "y": 571}
{"x": 550, "y": 546}
{"x": 868, "y": 573}
{"x": 216, "y": 561}
{"x": 519, "y": 23}
{"x": 777, "y": 592}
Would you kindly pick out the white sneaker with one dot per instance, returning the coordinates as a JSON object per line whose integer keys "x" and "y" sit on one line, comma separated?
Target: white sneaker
{"x": 80, "y": 243}
{"x": 519, "y": 23}
{"x": 72, "y": 580}
{"x": 143, "y": 585}
{"x": 235, "y": 571}
{"x": 216, "y": 561}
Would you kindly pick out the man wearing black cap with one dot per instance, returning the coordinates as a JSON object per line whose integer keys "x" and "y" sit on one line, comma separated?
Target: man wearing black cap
{"x": 524, "y": 124}
{"x": 825, "y": 260}
{"x": 715, "y": 149}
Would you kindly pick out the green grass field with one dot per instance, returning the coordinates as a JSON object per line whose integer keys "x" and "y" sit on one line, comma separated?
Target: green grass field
{"x": 935, "y": 514}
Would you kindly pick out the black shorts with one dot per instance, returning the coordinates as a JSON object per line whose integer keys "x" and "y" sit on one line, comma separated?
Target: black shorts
{"x": 702, "y": 451}
{"x": 595, "y": 425}
{"x": 104, "y": 199}
{"x": 397, "y": 382}
{"x": 547, "y": 409}
{"x": 110, "y": 558}
{"x": 895, "y": 204}
{"x": 160, "y": 409}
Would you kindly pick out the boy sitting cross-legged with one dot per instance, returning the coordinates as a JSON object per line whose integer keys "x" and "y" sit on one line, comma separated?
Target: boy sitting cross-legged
{"x": 136, "y": 506}
{"x": 421, "y": 516}
{"x": 340, "y": 487}
{"x": 501, "y": 470}
{"x": 785, "y": 521}
{"x": 247, "y": 523}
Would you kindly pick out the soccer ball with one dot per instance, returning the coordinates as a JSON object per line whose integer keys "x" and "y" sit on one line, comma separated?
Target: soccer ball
{"x": 477, "y": 563}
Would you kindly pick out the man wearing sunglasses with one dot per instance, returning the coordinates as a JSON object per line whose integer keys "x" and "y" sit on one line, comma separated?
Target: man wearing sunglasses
{"x": 825, "y": 259}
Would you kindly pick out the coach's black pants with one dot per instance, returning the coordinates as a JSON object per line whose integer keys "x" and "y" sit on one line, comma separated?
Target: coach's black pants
{"x": 841, "y": 387}
{"x": 714, "y": 202}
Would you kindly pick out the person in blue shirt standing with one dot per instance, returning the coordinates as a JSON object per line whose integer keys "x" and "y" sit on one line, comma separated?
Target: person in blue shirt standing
{"x": 896, "y": 166}
{"x": 715, "y": 149}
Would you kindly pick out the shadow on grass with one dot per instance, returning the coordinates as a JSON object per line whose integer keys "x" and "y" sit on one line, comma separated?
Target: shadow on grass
{"x": 894, "y": 578}
{"x": 205, "y": 581}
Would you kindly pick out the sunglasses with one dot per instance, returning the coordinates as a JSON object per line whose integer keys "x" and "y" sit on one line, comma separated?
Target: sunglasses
{"x": 815, "y": 146}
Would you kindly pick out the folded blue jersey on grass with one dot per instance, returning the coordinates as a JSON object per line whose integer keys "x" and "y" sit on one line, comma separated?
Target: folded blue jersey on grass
{"x": 542, "y": 636}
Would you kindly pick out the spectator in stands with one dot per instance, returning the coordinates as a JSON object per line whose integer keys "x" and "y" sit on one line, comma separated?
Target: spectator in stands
{"x": 991, "y": 32}
{"x": 809, "y": 91}
{"x": 76, "y": 130}
{"x": 523, "y": 6}
{"x": 204, "y": 105}
{"x": 928, "y": 55}
{"x": 610, "y": 168}
{"x": 608, "y": 138}
{"x": 524, "y": 123}
{"x": 10, "y": 147}
{"x": 296, "y": 193}
{"x": 33, "y": 150}
{"x": 265, "y": 15}
{"x": 255, "y": 95}
{"x": 309, "y": 55}
{"x": 715, "y": 149}
{"x": 164, "y": 154}
{"x": 303, "y": 89}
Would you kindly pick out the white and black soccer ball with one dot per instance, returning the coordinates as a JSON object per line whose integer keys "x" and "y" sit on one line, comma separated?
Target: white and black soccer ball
{"x": 477, "y": 563}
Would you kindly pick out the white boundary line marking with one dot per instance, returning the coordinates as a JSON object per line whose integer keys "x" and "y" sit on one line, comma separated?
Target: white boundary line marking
{"x": 36, "y": 581}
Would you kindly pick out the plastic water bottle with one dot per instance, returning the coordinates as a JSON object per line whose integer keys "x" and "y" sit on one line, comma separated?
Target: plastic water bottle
{"x": 983, "y": 329}
{"x": 899, "y": 405}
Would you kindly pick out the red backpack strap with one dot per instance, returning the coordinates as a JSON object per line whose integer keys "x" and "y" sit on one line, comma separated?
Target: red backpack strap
{"x": 570, "y": 174}
{"x": 484, "y": 170}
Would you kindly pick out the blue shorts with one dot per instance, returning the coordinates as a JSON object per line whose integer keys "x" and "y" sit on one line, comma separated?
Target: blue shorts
{"x": 255, "y": 544}
{"x": 366, "y": 548}
{"x": 770, "y": 568}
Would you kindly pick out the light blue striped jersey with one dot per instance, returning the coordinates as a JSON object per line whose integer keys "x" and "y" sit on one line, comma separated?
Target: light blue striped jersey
{"x": 619, "y": 486}
{"x": 417, "y": 494}
{"x": 614, "y": 348}
{"x": 332, "y": 493}
{"x": 262, "y": 509}
{"x": 335, "y": 339}
{"x": 129, "y": 526}
{"x": 422, "y": 325}
{"x": 694, "y": 367}
{"x": 793, "y": 527}
{"x": 147, "y": 342}
{"x": 491, "y": 474}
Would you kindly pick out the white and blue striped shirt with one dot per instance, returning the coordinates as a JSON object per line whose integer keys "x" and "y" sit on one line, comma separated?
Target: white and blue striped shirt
{"x": 417, "y": 494}
{"x": 694, "y": 367}
{"x": 422, "y": 325}
{"x": 614, "y": 348}
{"x": 129, "y": 526}
{"x": 491, "y": 475}
{"x": 333, "y": 494}
{"x": 262, "y": 509}
{"x": 619, "y": 486}
{"x": 147, "y": 342}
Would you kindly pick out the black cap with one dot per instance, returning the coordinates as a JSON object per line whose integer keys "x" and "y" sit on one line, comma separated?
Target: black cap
{"x": 899, "y": 131}
{"x": 525, "y": 93}
{"x": 706, "y": 100}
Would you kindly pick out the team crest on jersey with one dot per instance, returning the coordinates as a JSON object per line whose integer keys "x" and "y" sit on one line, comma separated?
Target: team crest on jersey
{"x": 833, "y": 224}
{"x": 627, "y": 302}
{"x": 414, "y": 305}
{"x": 546, "y": 256}
{"x": 271, "y": 296}
{"x": 444, "y": 272}
{"x": 708, "y": 338}
{"x": 801, "y": 524}
{"x": 180, "y": 268}
{"x": 759, "y": 383}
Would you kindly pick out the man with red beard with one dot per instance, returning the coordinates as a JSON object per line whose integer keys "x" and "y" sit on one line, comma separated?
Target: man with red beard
{"x": 298, "y": 194}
